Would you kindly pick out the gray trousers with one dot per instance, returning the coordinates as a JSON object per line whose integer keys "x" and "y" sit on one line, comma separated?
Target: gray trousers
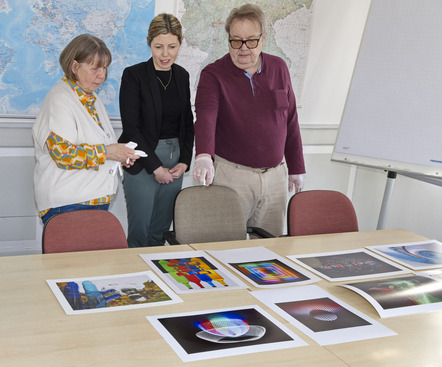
{"x": 150, "y": 204}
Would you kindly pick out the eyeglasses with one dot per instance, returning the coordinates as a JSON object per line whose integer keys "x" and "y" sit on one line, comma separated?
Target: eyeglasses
{"x": 250, "y": 44}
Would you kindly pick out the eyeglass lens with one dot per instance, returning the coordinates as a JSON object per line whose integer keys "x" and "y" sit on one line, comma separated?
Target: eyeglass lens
{"x": 249, "y": 43}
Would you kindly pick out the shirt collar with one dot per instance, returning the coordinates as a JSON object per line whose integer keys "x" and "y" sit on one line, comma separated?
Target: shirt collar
{"x": 85, "y": 99}
{"x": 257, "y": 71}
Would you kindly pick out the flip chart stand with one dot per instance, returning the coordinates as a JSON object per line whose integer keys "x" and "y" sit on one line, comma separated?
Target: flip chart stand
{"x": 391, "y": 177}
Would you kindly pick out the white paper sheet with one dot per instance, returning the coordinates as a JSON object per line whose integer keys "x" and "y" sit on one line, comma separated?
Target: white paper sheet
{"x": 401, "y": 295}
{"x": 414, "y": 255}
{"x": 111, "y": 292}
{"x": 263, "y": 268}
{"x": 435, "y": 274}
{"x": 321, "y": 316}
{"x": 192, "y": 271}
{"x": 200, "y": 335}
{"x": 348, "y": 265}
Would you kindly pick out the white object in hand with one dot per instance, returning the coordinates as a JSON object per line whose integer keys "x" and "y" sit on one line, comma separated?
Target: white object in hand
{"x": 140, "y": 153}
{"x": 133, "y": 145}
{"x": 117, "y": 165}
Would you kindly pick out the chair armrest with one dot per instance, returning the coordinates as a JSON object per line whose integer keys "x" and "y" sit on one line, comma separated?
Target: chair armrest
{"x": 169, "y": 237}
{"x": 259, "y": 232}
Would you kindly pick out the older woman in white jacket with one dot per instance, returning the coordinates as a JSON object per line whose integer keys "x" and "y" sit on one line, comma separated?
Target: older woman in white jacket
{"x": 75, "y": 144}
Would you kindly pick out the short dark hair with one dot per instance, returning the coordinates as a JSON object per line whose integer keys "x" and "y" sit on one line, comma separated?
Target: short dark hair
{"x": 84, "y": 48}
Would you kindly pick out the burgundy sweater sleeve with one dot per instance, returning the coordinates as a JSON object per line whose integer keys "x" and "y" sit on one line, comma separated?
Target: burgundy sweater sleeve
{"x": 206, "y": 110}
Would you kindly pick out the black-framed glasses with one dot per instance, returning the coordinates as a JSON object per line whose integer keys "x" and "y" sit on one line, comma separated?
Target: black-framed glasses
{"x": 250, "y": 44}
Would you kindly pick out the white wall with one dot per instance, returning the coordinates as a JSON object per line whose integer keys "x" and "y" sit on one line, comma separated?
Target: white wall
{"x": 337, "y": 30}
{"x": 166, "y": 6}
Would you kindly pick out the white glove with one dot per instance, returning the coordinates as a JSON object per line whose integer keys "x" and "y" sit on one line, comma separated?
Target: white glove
{"x": 203, "y": 171}
{"x": 296, "y": 181}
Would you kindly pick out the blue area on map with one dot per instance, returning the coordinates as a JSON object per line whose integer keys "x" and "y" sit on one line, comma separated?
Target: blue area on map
{"x": 32, "y": 35}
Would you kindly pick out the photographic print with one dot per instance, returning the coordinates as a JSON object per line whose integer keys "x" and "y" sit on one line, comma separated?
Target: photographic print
{"x": 348, "y": 265}
{"x": 321, "y": 316}
{"x": 402, "y": 295}
{"x": 414, "y": 255}
{"x": 111, "y": 293}
{"x": 269, "y": 272}
{"x": 264, "y": 268}
{"x": 435, "y": 274}
{"x": 223, "y": 332}
{"x": 192, "y": 271}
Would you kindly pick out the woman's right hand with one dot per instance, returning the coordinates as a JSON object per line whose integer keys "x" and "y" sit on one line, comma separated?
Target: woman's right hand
{"x": 121, "y": 153}
{"x": 163, "y": 176}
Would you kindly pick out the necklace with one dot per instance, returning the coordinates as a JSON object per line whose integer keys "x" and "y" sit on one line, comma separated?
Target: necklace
{"x": 170, "y": 79}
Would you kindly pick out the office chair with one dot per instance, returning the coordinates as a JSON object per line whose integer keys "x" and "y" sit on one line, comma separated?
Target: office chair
{"x": 209, "y": 214}
{"x": 320, "y": 212}
{"x": 83, "y": 230}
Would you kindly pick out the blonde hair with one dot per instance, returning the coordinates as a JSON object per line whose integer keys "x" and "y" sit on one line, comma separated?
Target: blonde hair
{"x": 247, "y": 11}
{"x": 84, "y": 48}
{"x": 163, "y": 24}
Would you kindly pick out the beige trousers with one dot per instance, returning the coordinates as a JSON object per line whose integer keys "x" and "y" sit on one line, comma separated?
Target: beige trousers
{"x": 263, "y": 192}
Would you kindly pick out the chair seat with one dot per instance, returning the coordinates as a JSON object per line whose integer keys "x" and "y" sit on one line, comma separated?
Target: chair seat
{"x": 83, "y": 230}
{"x": 320, "y": 212}
{"x": 209, "y": 214}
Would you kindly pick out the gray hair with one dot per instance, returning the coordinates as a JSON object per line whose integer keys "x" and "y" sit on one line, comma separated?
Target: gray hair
{"x": 247, "y": 11}
{"x": 84, "y": 48}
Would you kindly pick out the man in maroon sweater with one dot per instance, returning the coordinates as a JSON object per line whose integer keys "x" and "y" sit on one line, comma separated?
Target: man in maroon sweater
{"x": 247, "y": 123}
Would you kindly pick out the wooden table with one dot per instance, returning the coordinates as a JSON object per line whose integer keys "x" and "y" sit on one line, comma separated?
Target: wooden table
{"x": 35, "y": 331}
{"x": 419, "y": 339}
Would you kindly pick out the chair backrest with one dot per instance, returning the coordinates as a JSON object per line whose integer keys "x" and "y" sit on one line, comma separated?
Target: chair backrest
{"x": 83, "y": 230}
{"x": 320, "y": 212}
{"x": 208, "y": 214}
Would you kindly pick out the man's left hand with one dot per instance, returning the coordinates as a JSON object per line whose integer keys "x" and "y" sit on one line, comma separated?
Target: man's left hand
{"x": 297, "y": 182}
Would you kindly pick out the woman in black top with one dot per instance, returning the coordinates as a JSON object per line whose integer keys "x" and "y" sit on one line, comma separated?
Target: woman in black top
{"x": 156, "y": 114}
